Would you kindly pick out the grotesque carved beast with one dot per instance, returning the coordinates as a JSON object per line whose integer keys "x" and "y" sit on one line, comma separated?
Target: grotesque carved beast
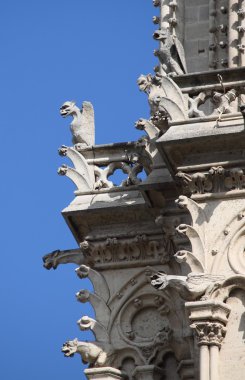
{"x": 171, "y": 53}
{"x": 90, "y": 353}
{"x": 82, "y": 125}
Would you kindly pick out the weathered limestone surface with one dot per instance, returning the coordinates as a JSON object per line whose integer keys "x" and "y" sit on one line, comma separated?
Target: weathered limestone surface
{"x": 164, "y": 248}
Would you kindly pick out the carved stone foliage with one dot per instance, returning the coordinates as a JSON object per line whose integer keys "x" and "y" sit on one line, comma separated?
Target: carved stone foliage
{"x": 208, "y": 320}
{"x": 121, "y": 252}
{"x": 209, "y": 333}
{"x": 217, "y": 251}
{"x": 217, "y": 241}
{"x": 217, "y": 179}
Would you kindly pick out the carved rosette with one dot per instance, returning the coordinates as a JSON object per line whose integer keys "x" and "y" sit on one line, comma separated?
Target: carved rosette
{"x": 144, "y": 320}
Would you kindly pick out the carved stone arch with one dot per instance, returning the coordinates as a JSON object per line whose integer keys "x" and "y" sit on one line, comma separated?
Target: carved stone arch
{"x": 169, "y": 364}
{"x": 130, "y": 353}
{"x": 227, "y": 287}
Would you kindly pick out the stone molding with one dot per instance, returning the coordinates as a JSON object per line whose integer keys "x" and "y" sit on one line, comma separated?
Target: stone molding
{"x": 105, "y": 373}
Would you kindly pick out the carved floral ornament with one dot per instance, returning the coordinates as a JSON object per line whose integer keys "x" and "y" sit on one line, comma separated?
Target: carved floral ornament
{"x": 217, "y": 261}
{"x": 136, "y": 249}
{"x": 217, "y": 179}
{"x": 212, "y": 248}
{"x": 115, "y": 251}
{"x": 209, "y": 333}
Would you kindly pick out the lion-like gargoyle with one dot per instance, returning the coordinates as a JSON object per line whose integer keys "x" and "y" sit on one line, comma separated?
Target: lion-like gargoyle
{"x": 91, "y": 353}
{"x": 82, "y": 125}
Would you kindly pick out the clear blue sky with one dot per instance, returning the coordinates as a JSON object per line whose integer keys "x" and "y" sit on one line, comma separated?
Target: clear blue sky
{"x": 54, "y": 51}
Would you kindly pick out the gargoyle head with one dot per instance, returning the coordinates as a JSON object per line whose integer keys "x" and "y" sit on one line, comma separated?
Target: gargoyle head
{"x": 159, "y": 280}
{"x": 144, "y": 82}
{"x": 67, "y": 108}
{"x": 161, "y": 34}
{"x": 49, "y": 260}
{"x": 140, "y": 124}
{"x": 70, "y": 347}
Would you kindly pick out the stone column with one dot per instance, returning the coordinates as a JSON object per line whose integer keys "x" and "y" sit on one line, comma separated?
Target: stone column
{"x": 209, "y": 319}
{"x": 148, "y": 372}
{"x": 104, "y": 373}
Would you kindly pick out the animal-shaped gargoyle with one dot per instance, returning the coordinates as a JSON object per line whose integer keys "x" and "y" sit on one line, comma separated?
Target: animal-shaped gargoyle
{"x": 82, "y": 125}
{"x": 171, "y": 54}
{"x": 90, "y": 352}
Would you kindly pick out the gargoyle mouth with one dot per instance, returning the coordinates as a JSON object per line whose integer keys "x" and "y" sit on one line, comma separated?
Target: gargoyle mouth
{"x": 156, "y": 35}
{"x": 154, "y": 281}
{"x": 47, "y": 265}
{"x": 66, "y": 352}
{"x": 63, "y": 113}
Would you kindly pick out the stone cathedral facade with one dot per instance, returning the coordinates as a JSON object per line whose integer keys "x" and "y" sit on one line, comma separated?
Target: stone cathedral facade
{"x": 165, "y": 248}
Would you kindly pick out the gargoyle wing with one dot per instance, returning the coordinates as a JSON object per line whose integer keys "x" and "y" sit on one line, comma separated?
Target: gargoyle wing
{"x": 172, "y": 109}
{"x": 173, "y": 92}
{"x": 87, "y": 122}
{"x": 181, "y": 53}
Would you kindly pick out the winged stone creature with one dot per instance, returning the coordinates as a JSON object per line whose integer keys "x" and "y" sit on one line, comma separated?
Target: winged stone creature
{"x": 164, "y": 97}
{"x": 171, "y": 54}
{"x": 82, "y": 125}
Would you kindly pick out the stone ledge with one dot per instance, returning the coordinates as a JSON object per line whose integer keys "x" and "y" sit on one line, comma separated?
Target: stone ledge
{"x": 104, "y": 373}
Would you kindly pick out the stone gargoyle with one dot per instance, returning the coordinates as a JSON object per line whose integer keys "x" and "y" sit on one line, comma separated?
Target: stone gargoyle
{"x": 91, "y": 353}
{"x": 55, "y": 258}
{"x": 164, "y": 97}
{"x": 82, "y": 126}
{"x": 191, "y": 287}
{"x": 171, "y": 54}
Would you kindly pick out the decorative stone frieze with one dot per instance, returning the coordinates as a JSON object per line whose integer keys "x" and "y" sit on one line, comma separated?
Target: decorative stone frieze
{"x": 217, "y": 179}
